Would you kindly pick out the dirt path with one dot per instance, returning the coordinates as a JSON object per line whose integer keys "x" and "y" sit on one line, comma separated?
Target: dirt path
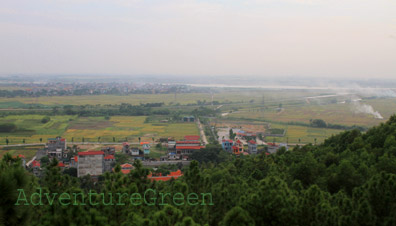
{"x": 205, "y": 141}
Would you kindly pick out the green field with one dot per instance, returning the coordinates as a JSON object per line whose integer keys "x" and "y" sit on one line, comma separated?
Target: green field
{"x": 305, "y": 134}
{"x": 122, "y": 128}
{"x": 342, "y": 114}
{"x": 29, "y": 152}
{"x": 220, "y": 95}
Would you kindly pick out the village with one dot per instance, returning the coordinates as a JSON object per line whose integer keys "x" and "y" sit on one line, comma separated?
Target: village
{"x": 178, "y": 152}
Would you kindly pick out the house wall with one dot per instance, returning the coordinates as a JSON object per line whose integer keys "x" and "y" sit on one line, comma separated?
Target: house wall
{"x": 90, "y": 164}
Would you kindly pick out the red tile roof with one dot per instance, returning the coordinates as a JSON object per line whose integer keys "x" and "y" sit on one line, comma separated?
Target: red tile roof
{"x": 21, "y": 156}
{"x": 188, "y": 142}
{"x": 76, "y": 158}
{"x": 231, "y": 141}
{"x": 61, "y": 164}
{"x": 141, "y": 143}
{"x": 252, "y": 141}
{"x": 91, "y": 153}
{"x": 189, "y": 147}
{"x": 126, "y": 165}
{"x": 239, "y": 142}
{"x": 109, "y": 157}
{"x": 192, "y": 137}
{"x": 177, "y": 173}
{"x": 36, "y": 163}
{"x": 171, "y": 175}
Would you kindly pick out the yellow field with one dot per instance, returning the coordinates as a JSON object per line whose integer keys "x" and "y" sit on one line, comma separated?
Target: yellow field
{"x": 342, "y": 114}
{"x": 306, "y": 134}
{"x": 121, "y": 128}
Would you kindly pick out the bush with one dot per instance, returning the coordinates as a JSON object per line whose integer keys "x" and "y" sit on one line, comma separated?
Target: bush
{"x": 7, "y": 127}
{"x": 45, "y": 119}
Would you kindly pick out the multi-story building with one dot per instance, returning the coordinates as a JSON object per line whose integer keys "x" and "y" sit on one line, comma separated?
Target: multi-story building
{"x": 109, "y": 162}
{"x": 56, "y": 148}
{"x": 252, "y": 147}
{"x": 90, "y": 162}
{"x": 145, "y": 147}
{"x": 227, "y": 145}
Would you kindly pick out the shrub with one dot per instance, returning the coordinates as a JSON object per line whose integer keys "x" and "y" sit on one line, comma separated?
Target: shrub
{"x": 45, "y": 119}
{"x": 7, "y": 127}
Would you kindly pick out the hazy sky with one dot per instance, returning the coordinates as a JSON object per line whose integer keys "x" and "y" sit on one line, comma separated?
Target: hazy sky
{"x": 329, "y": 38}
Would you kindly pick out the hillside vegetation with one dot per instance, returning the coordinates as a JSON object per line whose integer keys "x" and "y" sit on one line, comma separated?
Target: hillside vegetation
{"x": 350, "y": 179}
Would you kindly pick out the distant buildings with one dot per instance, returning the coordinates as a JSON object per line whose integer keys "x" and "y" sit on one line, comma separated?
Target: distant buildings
{"x": 237, "y": 147}
{"x": 56, "y": 148}
{"x": 180, "y": 150}
{"x": 126, "y": 168}
{"x": 109, "y": 162}
{"x": 188, "y": 119}
{"x": 35, "y": 165}
{"x": 227, "y": 145}
{"x": 252, "y": 147}
{"x": 159, "y": 176}
{"x": 145, "y": 147}
{"x": 135, "y": 152}
{"x": 90, "y": 162}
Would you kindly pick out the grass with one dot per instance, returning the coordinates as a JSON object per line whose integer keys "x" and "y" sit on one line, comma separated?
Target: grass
{"x": 224, "y": 95}
{"x": 342, "y": 114}
{"x": 29, "y": 152}
{"x": 306, "y": 134}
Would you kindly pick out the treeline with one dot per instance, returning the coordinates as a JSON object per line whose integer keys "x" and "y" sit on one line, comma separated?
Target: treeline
{"x": 114, "y": 110}
{"x": 89, "y": 90}
{"x": 320, "y": 123}
{"x": 348, "y": 180}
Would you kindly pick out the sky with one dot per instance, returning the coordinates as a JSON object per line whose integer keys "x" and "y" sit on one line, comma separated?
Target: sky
{"x": 257, "y": 38}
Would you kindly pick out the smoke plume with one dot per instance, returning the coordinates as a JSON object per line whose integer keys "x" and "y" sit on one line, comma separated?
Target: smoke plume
{"x": 367, "y": 109}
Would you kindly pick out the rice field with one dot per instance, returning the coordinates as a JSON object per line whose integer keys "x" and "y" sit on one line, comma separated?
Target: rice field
{"x": 342, "y": 114}
{"x": 122, "y": 128}
{"x": 301, "y": 134}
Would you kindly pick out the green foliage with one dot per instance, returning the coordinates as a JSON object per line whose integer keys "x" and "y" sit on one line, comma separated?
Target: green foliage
{"x": 7, "y": 127}
{"x": 45, "y": 119}
{"x": 350, "y": 179}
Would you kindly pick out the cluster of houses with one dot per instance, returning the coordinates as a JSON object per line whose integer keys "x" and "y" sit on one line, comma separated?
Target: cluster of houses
{"x": 182, "y": 149}
{"x": 136, "y": 152}
{"x": 93, "y": 163}
{"x": 97, "y": 162}
{"x": 237, "y": 147}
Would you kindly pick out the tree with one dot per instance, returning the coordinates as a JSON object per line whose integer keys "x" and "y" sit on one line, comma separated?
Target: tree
{"x": 41, "y": 139}
{"x": 238, "y": 217}
{"x": 113, "y": 139}
{"x": 319, "y": 123}
{"x": 12, "y": 178}
{"x": 7, "y": 128}
{"x": 45, "y": 119}
{"x": 7, "y": 141}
